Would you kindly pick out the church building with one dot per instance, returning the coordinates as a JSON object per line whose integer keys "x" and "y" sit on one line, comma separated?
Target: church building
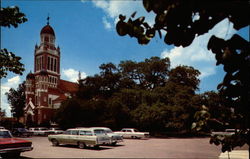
{"x": 44, "y": 89}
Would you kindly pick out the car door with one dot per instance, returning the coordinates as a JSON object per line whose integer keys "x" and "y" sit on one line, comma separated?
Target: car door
{"x": 73, "y": 138}
{"x": 63, "y": 138}
{"x": 125, "y": 133}
{"x": 129, "y": 133}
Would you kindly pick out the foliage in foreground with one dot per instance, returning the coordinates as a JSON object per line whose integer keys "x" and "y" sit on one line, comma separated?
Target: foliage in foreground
{"x": 10, "y": 16}
{"x": 190, "y": 18}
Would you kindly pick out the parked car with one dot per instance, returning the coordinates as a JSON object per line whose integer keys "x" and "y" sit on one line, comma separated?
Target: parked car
{"x": 227, "y": 132}
{"x": 55, "y": 131}
{"x": 132, "y": 133}
{"x": 40, "y": 131}
{"x": 21, "y": 132}
{"x": 114, "y": 138}
{"x": 83, "y": 137}
{"x": 11, "y": 147}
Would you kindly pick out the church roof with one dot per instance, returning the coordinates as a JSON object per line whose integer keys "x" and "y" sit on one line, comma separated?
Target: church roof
{"x": 61, "y": 98}
{"x": 47, "y": 29}
{"x": 67, "y": 86}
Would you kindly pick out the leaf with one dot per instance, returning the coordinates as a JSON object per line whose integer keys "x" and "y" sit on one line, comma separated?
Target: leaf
{"x": 147, "y": 5}
{"x": 133, "y": 15}
{"x": 159, "y": 32}
{"x": 121, "y": 28}
{"x": 122, "y": 17}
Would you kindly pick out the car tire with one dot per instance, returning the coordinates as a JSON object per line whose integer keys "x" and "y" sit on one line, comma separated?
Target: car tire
{"x": 81, "y": 145}
{"x": 114, "y": 143}
{"x": 96, "y": 146}
{"x": 10, "y": 155}
{"x": 54, "y": 142}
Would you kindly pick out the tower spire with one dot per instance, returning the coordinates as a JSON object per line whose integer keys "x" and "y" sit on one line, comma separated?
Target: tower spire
{"x": 48, "y": 19}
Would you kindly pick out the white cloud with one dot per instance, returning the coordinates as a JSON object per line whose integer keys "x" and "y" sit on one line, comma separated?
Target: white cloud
{"x": 101, "y": 4}
{"x": 114, "y": 8}
{"x": 107, "y": 24}
{"x": 72, "y": 75}
{"x": 196, "y": 54}
{"x": 5, "y": 87}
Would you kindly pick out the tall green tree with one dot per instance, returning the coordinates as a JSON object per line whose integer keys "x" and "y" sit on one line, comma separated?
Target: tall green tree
{"x": 147, "y": 74}
{"x": 177, "y": 19}
{"x": 16, "y": 99}
{"x": 70, "y": 114}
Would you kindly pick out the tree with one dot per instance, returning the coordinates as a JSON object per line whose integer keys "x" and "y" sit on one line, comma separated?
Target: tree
{"x": 218, "y": 110}
{"x": 151, "y": 117}
{"x": 16, "y": 99}
{"x": 190, "y": 18}
{"x": 10, "y": 62}
{"x": 147, "y": 74}
{"x": 2, "y": 113}
{"x": 185, "y": 76}
{"x": 69, "y": 114}
{"x": 10, "y": 16}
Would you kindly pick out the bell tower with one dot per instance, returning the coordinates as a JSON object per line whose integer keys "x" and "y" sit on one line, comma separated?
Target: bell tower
{"x": 46, "y": 71}
{"x": 47, "y": 59}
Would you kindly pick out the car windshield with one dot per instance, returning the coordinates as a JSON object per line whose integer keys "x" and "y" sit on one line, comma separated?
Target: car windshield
{"x": 67, "y": 132}
{"x": 22, "y": 129}
{"x": 88, "y": 133}
{"x": 135, "y": 130}
{"x": 108, "y": 131}
{"x": 5, "y": 134}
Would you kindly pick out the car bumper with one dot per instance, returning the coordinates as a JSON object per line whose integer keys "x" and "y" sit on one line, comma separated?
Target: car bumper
{"x": 18, "y": 149}
{"x": 116, "y": 140}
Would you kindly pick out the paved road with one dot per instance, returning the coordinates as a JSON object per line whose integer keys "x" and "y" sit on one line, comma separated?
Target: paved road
{"x": 191, "y": 148}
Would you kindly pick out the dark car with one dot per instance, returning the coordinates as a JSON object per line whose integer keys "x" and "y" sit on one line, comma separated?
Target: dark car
{"x": 21, "y": 132}
{"x": 11, "y": 147}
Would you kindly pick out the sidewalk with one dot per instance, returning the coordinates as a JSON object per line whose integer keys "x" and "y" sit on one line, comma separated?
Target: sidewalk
{"x": 235, "y": 154}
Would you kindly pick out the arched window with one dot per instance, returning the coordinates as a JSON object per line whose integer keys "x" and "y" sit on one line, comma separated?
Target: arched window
{"x": 54, "y": 65}
{"x": 51, "y": 64}
{"x": 48, "y": 63}
{"x": 42, "y": 62}
{"x": 46, "y": 39}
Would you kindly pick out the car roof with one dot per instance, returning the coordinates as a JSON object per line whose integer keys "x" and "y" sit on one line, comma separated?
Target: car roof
{"x": 100, "y": 128}
{"x": 4, "y": 130}
{"x": 80, "y": 129}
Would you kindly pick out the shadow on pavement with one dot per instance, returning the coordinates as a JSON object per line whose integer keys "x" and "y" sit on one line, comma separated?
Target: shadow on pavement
{"x": 117, "y": 145}
{"x": 87, "y": 148}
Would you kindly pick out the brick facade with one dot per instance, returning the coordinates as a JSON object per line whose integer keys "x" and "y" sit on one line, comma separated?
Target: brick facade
{"x": 44, "y": 89}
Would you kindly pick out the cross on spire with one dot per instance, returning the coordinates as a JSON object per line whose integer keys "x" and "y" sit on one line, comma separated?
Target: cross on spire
{"x": 48, "y": 19}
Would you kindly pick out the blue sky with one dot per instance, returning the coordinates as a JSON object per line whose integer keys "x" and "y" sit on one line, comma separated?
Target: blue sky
{"x": 85, "y": 32}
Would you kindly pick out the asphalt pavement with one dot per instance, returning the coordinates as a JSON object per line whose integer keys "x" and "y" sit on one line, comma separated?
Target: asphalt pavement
{"x": 172, "y": 148}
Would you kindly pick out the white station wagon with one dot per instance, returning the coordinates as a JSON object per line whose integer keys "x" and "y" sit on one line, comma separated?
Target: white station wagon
{"x": 83, "y": 137}
{"x": 114, "y": 138}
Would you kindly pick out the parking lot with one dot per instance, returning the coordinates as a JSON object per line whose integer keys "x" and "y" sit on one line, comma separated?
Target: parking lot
{"x": 131, "y": 148}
